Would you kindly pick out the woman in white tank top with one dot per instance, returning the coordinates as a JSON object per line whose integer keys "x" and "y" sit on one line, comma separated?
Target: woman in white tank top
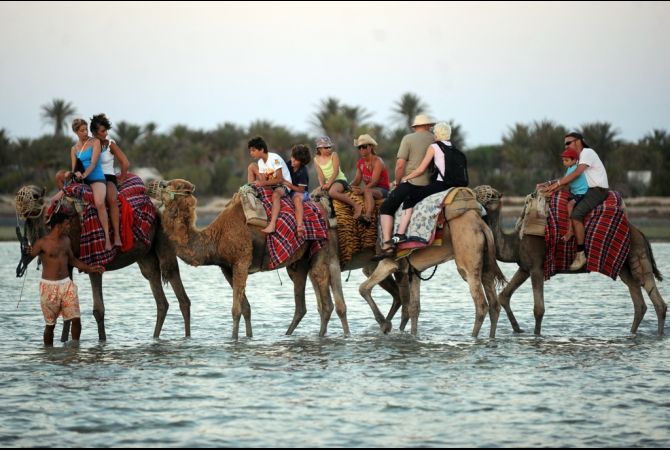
{"x": 100, "y": 126}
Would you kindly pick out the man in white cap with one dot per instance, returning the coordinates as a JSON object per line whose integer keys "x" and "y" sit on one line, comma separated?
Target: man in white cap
{"x": 412, "y": 150}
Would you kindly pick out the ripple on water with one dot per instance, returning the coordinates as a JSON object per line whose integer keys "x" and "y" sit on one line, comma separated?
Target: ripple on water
{"x": 585, "y": 382}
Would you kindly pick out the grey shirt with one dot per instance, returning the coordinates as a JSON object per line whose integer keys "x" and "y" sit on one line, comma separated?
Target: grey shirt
{"x": 413, "y": 149}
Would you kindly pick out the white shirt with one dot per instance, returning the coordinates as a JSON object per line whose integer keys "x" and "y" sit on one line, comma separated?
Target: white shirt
{"x": 107, "y": 159}
{"x": 274, "y": 163}
{"x": 596, "y": 176}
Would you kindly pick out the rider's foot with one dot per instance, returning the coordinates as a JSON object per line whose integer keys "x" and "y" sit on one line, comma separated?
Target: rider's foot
{"x": 269, "y": 229}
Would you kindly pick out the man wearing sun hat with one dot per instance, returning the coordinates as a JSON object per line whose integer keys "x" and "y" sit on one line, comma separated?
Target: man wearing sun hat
{"x": 596, "y": 176}
{"x": 412, "y": 150}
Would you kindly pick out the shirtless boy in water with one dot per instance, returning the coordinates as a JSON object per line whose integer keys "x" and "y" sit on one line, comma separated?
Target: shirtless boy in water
{"x": 58, "y": 293}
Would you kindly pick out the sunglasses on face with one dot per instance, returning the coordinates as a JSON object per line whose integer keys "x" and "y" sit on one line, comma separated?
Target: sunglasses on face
{"x": 567, "y": 143}
{"x": 363, "y": 147}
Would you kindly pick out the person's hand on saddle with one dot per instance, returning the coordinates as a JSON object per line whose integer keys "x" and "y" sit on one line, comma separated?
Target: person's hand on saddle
{"x": 78, "y": 177}
{"x": 57, "y": 196}
{"x": 122, "y": 177}
{"x": 326, "y": 187}
{"x": 357, "y": 190}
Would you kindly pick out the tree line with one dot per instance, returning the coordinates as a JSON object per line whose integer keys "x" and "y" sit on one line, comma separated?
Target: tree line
{"x": 216, "y": 160}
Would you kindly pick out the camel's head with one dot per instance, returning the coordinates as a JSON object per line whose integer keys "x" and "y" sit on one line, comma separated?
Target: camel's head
{"x": 174, "y": 192}
{"x": 30, "y": 202}
{"x": 488, "y": 197}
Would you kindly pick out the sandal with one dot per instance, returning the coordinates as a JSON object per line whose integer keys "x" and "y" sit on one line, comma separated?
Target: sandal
{"x": 301, "y": 231}
{"x": 365, "y": 220}
{"x": 384, "y": 253}
{"x": 397, "y": 239}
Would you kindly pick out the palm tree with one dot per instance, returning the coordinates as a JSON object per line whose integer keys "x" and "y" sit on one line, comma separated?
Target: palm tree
{"x": 127, "y": 134}
{"x": 407, "y": 108}
{"x": 327, "y": 109}
{"x": 57, "y": 113}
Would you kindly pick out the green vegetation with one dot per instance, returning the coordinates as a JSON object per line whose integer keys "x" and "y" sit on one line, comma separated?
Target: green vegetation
{"x": 216, "y": 160}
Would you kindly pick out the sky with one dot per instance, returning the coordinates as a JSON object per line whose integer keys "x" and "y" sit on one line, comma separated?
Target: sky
{"x": 484, "y": 66}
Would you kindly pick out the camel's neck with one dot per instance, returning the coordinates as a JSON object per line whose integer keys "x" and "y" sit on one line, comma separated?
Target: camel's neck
{"x": 188, "y": 240}
{"x": 199, "y": 247}
{"x": 35, "y": 229}
{"x": 507, "y": 245}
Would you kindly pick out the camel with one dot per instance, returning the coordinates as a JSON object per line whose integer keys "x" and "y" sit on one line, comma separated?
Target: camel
{"x": 159, "y": 261}
{"x": 528, "y": 252}
{"x": 470, "y": 243}
{"x": 397, "y": 287}
{"x": 239, "y": 250}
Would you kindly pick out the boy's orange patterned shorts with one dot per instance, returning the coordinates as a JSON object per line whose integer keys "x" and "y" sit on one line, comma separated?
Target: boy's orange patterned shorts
{"x": 59, "y": 298}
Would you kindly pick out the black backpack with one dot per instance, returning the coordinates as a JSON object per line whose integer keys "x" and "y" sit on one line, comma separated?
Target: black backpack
{"x": 456, "y": 166}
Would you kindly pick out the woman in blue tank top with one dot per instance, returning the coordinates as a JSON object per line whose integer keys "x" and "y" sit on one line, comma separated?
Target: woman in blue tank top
{"x": 87, "y": 150}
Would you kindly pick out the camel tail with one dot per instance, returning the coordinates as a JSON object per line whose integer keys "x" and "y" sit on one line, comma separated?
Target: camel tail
{"x": 491, "y": 263}
{"x": 657, "y": 273}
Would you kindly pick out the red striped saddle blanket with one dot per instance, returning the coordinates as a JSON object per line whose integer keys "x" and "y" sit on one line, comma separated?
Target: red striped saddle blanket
{"x": 133, "y": 199}
{"x": 606, "y": 239}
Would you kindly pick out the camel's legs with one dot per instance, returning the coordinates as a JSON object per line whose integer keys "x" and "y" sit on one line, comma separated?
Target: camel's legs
{"x": 98, "y": 304}
{"x": 389, "y": 285}
{"x": 169, "y": 266}
{"x": 537, "y": 280}
{"x": 298, "y": 274}
{"x": 505, "y": 296}
{"x": 245, "y": 306}
{"x": 469, "y": 257}
{"x": 414, "y": 304}
{"x": 494, "y": 305}
{"x": 659, "y": 304}
{"x": 324, "y": 302}
{"x": 151, "y": 271}
{"x": 639, "y": 307}
{"x": 385, "y": 268}
{"x": 335, "y": 281}
{"x": 402, "y": 280}
{"x": 240, "y": 275}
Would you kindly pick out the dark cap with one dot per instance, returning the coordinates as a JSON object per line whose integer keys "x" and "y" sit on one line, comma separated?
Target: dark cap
{"x": 576, "y": 135}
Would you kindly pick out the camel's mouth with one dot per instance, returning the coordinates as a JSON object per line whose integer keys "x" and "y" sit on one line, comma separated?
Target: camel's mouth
{"x": 486, "y": 195}
{"x": 29, "y": 202}
{"x": 167, "y": 191}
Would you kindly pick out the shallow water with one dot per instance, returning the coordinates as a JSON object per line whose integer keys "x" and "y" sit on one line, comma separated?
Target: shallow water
{"x": 585, "y": 382}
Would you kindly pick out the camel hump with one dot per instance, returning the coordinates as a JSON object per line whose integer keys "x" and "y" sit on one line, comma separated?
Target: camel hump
{"x": 458, "y": 201}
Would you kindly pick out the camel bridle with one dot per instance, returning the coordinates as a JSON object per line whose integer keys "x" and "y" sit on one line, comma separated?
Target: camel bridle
{"x": 486, "y": 194}
{"x": 29, "y": 202}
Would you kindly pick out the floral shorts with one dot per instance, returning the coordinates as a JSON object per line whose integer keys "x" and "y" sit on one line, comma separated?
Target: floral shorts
{"x": 59, "y": 298}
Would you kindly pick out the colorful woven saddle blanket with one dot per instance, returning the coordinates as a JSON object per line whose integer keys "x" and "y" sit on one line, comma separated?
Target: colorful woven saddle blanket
{"x": 354, "y": 236}
{"x": 606, "y": 239}
{"x": 137, "y": 214}
{"x": 284, "y": 242}
{"x": 430, "y": 215}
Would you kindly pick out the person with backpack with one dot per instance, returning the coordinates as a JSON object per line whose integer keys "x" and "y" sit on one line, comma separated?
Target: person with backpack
{"x": 412, "y": 151}
{"x": 449, "y": 169}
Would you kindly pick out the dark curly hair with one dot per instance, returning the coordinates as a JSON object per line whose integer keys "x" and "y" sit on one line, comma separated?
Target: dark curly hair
{"x": 302, "y": 153}
{"x": 100, "y": 120}
{"x": 258, "y": 143}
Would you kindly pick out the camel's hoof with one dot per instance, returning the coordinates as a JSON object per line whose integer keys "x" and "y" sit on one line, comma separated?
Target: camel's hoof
{"x": 386, "y": 327}
{"x": 519, "y": 331}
